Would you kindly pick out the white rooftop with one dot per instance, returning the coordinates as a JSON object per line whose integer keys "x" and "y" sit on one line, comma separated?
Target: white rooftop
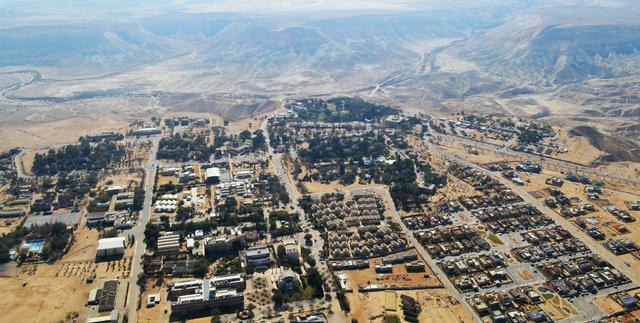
{"x": 110, "y": 243}
{"x": 213, "y": 172}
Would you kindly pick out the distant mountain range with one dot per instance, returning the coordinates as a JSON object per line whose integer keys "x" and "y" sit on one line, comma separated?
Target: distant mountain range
{"x": 506, "y": 50}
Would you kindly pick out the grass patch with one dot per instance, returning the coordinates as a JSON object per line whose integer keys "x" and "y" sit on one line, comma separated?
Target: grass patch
{"x": 390, "y": 301}
{"x": 391, "y": 319}
{"x": 548, "y": 296}
{"x": 494, "y": 238}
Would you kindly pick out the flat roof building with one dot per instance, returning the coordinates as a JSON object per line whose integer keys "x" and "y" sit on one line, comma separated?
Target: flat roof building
{"x": 259, "y": 256}
{"x": 213, "y": 175}
{"x": 200, "y": 294}
{"x": 110, "y": 247}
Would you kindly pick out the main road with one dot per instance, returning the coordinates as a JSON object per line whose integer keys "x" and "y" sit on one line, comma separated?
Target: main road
{"x": 425, "y": 255}
{"x": 139, "y": 248}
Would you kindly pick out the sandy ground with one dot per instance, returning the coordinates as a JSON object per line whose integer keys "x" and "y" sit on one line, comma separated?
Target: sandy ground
{"x": 125, "y": 179}
{"x": 437, "y": 306}
{"x": 60, "y": 286}
{"x": 454, "y": 189}
{"x": 580, "y": 150}
{"x": 607, "y": 305}
{"x": 54, "y": 300}
{"x": 251, "y": 123}
{"x": 157, "y": 313}
{"x": 558, "y": 308}
{"x": 34, "y": 134}
{"x": 319, "y": 188}
{"x": 9, "y": 225}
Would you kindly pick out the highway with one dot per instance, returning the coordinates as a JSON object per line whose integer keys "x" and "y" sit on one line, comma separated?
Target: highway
{"x": 139, "y": 247}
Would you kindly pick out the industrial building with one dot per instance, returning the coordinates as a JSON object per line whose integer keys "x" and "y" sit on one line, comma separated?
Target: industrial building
{"x": 11, "y": 213}
{"x": 108, "y": 296}
{"x": 168, "y": 244}
{"x": 110, "y": 248}
{"x": 213, "y": 175}
{"x": 146, "y": 131}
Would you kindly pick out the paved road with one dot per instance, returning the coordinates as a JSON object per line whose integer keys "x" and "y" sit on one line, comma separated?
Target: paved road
{"x": 138, "y": 232}
{"x": 567, "y": 166}
{"x": 17, "y": 161}
{"x": 384, "y": 193}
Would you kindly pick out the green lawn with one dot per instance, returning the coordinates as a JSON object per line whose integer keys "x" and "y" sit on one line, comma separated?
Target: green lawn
{"x": 494, "y": 238}
{"x": 391, "y": 319}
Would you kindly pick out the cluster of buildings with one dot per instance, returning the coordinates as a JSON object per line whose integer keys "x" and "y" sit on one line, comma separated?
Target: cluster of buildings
{"x": 451, "y": 241}
{"x": 167, "y": 203}
{"x": 367, "y": 241}
{"x": 586, "y": 274}
{"x": 623, "y": 215}
{"x": 185, "y": 174}
{"x": 105, "y": 299}
{"x": 410, "y": 308}
{"x": 515, "y": 305}
{"x": 475, "y": 272}
{"x": 550, "y": 249}
{"x": 621, "y": 246}
{"x": 493, "y": 192}
{"x": 186, "y": 122}
{"x": 512, "y": 218}
{"x": 363, "y": 210}
{"x": 119, "y": 220}
{"x": 53, "y": 201}
{"x": 419, "y": 222}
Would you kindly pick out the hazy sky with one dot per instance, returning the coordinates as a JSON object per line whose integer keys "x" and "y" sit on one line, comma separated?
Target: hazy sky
{"x": 329, "y": 5}
{"x": 18, "y": 10}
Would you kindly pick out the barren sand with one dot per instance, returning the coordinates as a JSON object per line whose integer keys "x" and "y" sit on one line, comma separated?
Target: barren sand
{"x": 41, "y": 299}
{"x": 37, "y": 134}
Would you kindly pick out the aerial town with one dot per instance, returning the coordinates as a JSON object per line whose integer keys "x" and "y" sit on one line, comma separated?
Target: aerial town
{"x": 324, "y": 210}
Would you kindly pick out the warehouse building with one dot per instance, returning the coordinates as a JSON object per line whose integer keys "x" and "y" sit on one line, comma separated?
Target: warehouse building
{"x": 168, "y": 244}
{"x": 213, "y": 175}
{"x": 110, "y": 248}
{"x": 146, "y": 131}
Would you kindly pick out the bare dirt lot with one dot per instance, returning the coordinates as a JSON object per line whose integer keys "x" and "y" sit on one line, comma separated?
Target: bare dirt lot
{"x": 42, "y": 299}
{"x": 558, "y": 308}
{"x": 437, "y": 306}
{"x": 319, "y": 188}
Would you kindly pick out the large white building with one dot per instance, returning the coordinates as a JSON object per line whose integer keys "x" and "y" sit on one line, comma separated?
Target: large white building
{"x": 110, "y": 247}
{"x": 213, "y": 175}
